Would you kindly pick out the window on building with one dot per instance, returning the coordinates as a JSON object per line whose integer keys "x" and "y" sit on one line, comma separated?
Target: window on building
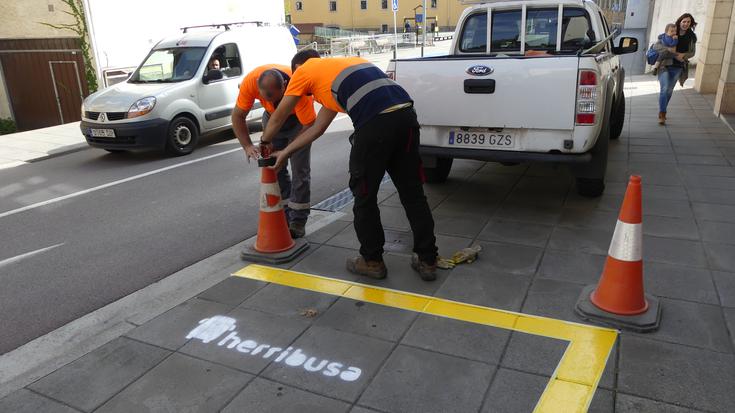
{"x": 363, "y": 5}
{"x": 384, "y": 4}
{"x": 299, "y": 5}
{"x": 384, "y": 28}
{"x": 332, "y": 6}
{"x": 433, "y": 4}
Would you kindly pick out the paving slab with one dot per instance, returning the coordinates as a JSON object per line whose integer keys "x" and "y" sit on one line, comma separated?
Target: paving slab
{"x": 668, "y": 227}
{"x": 551, "y": 298}
{"x": 328, "y": 261}
{"x": 232, "y": 291}
{"x": 288, "y": 302}
{"x": 681, "y": 375}
{"x": 322, "y": 344}
{"x": 409, "y": 382}
{"x": 591, "y": 241}
{"x": 260, "y": 342}
{"x": 674, "y": 251}
{"x": 626, "y": 403}
{"x": 692, "y": 324}
{"x": 576, "y": 267}
{"x": 93, "y": 379}
{"x": 725, "y": 282}
{"x": 180, "y": 383}
{"x": 474, "y": 285}
{"x": 729, "y": 314}
{"x": 720, "y": 256}
{"x": 265, "y": 396}
{"x": 26, "y": 401}
{"x": 457, "y": 338}
{"x": 514, "y": 391}
{"x": 675, "y": 281}
{"x": 166, "y": 330}
{"x": 516, "y": 232}
{"x": 367, "y": 319}
{"x": 533, "y": 354}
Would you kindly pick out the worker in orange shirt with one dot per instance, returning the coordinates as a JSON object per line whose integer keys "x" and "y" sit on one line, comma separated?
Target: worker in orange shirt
{"x": 386, "y": 138}
{"x": 267, "y": 83}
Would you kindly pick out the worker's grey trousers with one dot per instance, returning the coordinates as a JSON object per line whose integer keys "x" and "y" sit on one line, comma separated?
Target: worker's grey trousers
{"x": 296, "y": 189}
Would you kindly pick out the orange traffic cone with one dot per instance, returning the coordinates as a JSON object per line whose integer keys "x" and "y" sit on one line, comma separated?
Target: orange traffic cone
{"x": 619, "y": 298}
{"x": 273, "y": 244}
{"x": 273, "y": 234}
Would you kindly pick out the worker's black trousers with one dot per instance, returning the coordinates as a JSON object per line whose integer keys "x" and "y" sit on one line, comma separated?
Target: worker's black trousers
{"x": 390, "y": 142}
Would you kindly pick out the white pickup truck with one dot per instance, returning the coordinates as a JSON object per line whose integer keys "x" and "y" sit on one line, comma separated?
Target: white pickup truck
{"x": 535, "y": 80}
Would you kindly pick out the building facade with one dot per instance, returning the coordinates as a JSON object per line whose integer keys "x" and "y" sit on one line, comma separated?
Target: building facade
{"x": 42, "y": 79}
{"x": 373, "y": 15}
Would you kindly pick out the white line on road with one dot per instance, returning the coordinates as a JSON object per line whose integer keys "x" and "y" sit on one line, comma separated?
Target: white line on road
{"x": 113, "y": 183}
{"x": 122, "y": 181}
{"x": 17, "y": 258}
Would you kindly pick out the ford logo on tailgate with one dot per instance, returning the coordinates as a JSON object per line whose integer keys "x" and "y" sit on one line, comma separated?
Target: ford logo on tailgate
{"x": 479, "y": 70}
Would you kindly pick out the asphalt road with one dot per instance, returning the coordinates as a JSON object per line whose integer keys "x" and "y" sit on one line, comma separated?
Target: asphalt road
{"x": 64, "y": 259}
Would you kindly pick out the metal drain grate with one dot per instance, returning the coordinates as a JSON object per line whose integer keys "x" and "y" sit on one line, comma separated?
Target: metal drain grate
{"x": 341, "y": 199}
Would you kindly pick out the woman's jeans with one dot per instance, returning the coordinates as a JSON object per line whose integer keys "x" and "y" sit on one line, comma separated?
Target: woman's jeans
{"x": 667, "y": 78}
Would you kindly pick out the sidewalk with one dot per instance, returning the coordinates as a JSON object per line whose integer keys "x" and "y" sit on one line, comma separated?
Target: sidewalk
{"x": 542, "y": 244}
{"x": 23, "y": 147}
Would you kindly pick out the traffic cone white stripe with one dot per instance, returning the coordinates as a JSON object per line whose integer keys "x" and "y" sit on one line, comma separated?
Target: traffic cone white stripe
{"x": 269, "y": 189}
{"x": 626, "y": 244}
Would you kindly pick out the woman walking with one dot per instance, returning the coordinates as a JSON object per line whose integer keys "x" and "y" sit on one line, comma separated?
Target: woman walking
{"x": 677, "y": 68}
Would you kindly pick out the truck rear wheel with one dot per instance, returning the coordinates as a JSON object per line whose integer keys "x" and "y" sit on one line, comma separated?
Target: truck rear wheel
{"x": 182, "y": 137}
{"x": 440, "y": 172}
{"x": 618, "y": 119}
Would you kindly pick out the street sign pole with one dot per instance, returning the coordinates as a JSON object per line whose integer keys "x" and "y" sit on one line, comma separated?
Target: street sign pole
{"x": 395, "y": 29}
{"x": 426, "y": 21}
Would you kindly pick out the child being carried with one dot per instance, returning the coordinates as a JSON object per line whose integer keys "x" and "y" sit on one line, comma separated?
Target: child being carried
{"x": 667, "y": 42}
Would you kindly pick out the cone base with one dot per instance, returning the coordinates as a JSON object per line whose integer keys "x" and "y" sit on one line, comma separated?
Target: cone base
{"x": 249, "y": 253}
{"x": 641, "y": 323}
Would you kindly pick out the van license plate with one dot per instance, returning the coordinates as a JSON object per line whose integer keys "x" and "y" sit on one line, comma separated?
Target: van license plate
{"x": 482, "y": 139}
{"x": 103, "y": 133}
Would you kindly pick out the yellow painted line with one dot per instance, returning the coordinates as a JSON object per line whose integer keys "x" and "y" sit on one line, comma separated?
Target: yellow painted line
{"x": 573, "y": 383}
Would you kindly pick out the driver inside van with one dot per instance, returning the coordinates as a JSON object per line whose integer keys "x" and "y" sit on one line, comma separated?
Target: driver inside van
{"x": 213, "y": 64}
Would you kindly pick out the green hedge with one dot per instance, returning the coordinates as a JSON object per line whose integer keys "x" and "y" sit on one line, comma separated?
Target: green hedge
{"x": 7, "y": 126}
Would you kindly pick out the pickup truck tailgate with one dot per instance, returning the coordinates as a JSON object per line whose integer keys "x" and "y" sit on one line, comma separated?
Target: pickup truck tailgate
{"x": 527, "y": 93}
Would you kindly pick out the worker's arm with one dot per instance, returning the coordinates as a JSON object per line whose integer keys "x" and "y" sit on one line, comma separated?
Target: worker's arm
{"x": 242, "y": 133}
{"x": 277, "y": 119}
{"x": 307, "y": 136}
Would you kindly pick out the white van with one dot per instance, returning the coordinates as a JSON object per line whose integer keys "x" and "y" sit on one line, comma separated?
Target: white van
{"x": 176, "y": 95}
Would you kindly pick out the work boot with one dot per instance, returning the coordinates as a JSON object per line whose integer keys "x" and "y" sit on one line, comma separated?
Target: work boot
{"x": 426, "y": 271}
{"x": 372, "y": 269}
{"x": 662, "y": 118}
{"x": 297, "y": 229}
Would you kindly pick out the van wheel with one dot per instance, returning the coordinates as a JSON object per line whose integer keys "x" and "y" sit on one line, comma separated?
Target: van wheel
{"x": 618, "y": 119}
{"x": 182, "y": 138}
{"x": 440, "y": 172}
{"x": 590, "y": 187}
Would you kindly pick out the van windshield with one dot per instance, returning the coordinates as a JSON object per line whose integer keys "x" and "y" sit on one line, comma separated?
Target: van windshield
{"x": 169, "y": 65}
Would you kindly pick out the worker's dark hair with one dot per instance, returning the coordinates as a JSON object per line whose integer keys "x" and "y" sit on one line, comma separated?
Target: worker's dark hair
{"x": 302, "y": 56}
{"x": 275, "y": 74}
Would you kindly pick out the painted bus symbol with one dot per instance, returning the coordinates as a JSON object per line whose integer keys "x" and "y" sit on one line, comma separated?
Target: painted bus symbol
{"x": 212, "y": 328}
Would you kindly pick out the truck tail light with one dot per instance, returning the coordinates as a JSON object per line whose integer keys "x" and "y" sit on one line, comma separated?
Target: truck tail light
{"x": 587, "y": 93}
